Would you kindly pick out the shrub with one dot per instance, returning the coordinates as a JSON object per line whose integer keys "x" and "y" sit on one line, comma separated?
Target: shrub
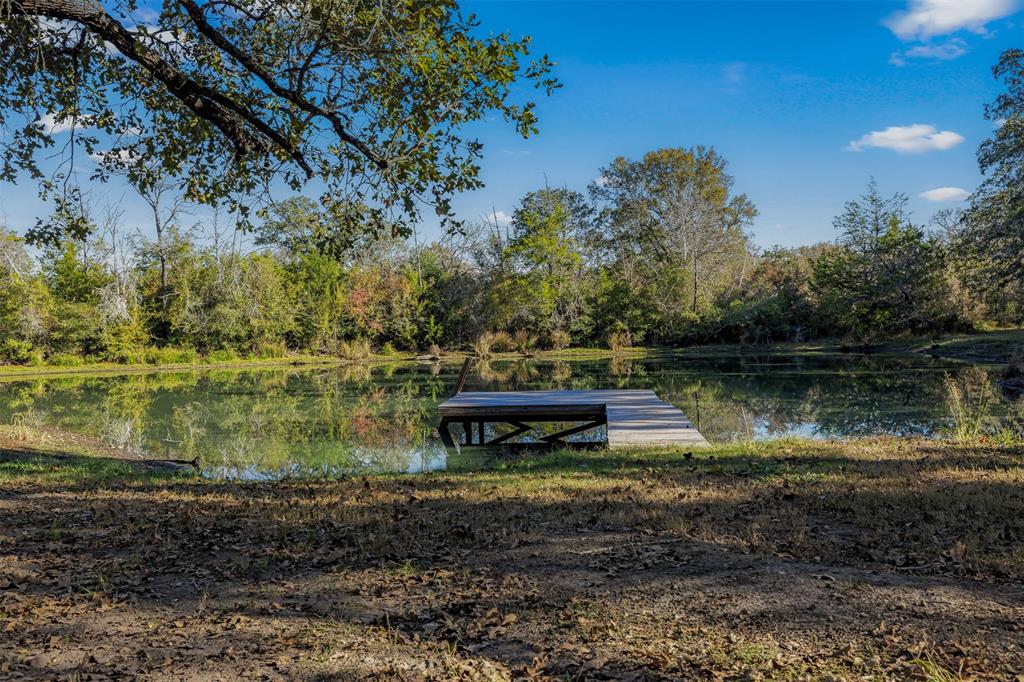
{"x": 269, "y": 350}
{"x": 619, "y": 340}
{"x": 122, "y": 342}
{"x": 66, "y": 360}
{"x": 502, "y": 342}
{"x": 222, "y": 355}
{"x": 170, "y": 356}
{"x": 559, "y": 340}
{"x": 356, "y": 349}
{"x": 435, "y": 350}
{"x": 524, "y": 341}
{"x": 15, "y": 351}
{"x": 129, "y": 357}
{"x": 387, "y": 349}
{"x": 483, "y": 345}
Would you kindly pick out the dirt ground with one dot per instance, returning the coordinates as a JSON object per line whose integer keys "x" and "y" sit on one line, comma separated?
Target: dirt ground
{"x": 872, "y": 560}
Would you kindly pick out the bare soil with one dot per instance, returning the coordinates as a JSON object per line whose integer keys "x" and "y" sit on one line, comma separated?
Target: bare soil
{"x": 875, "y": 560}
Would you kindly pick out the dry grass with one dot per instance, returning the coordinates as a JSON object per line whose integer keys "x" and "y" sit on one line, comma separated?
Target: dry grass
{"x": 881, "y": 559}
{"x": 484, "y": 345}
{"x": 502, "y": 341}
{"x": 355, "y": 350}
{"x": 559, "y": 340}
{"x": 524, "y": 342}
{"x": 619, "y": 341}
{"x": 968, "y": 398}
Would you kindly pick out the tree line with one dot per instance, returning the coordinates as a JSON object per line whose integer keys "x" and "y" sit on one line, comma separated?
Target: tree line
{"x": 656, "y": 252}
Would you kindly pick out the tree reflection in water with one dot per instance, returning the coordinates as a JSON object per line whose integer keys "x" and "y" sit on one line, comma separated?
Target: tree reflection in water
{"x": 370, "y": 417}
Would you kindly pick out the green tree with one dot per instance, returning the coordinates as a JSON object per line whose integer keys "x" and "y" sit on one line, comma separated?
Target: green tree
{"x": 886, "y": 276}
{"x": 318, "y": 284}
{"x": 74, "y": 280}
{"x": 775, "y": 303}
{"x": 541, "y": 288}
{"x": 995, "y": 221}
{"x": 25, "y": 302}
{"x": 453, "y": 293}
{"x": 675, "y": 230}
{"x": 299, "y": 225}
{"x": 73, "y": 277}
{"x": 578, "y": 221}
{"x": 362, "y": 96}
{"x": 226, "y": 301}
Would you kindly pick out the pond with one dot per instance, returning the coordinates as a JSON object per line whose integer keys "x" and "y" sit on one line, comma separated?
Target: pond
{"x": 269, "y": 423}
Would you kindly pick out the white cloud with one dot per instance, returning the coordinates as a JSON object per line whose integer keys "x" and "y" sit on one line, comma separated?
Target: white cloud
{"x": 926, "y": 18}
{"x": 154, "y": 34}
{"x": 499, "y": 218}
{"x": 122, "y": 157}
{"x": 944, "y": 51}
{"x": 51, "y": 126}
{"x": 912, "y": 139}
{"x": 600, "y": 181}
{"x": 933, "y": 51}
{"x": 945, "y": 194}
{"x": 65, "y": 33}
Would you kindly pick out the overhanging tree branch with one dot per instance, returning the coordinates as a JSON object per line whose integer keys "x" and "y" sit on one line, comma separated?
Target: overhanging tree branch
{"x": 230, "y": 118}
{"x": 197, "y": 16}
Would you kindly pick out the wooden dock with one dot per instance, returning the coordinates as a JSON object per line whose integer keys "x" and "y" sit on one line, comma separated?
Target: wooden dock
{"x": 634, "y": 418}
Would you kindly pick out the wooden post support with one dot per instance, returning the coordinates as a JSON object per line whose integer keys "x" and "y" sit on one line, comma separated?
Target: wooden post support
{"x": 462, "y": 375}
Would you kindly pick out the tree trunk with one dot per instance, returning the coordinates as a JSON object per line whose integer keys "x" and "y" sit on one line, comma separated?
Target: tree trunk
{"x": 695, "y": 283}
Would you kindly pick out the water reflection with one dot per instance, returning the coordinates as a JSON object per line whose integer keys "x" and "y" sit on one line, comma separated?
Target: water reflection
{"x": 274, "y": 423}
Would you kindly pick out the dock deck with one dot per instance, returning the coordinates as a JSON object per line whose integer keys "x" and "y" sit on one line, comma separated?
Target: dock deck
{"x": 634, "y": 418}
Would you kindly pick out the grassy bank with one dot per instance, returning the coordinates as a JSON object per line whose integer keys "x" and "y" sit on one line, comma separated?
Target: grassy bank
{"x": 84, "y": 366}
{"x": 991, "y": 347}
{"x": 877, "y": 559}
{"x": 996, "y": 347}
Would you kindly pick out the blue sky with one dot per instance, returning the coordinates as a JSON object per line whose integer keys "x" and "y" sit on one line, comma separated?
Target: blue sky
{"x": 781, "y": 89}
{"x": 806, "y": 100}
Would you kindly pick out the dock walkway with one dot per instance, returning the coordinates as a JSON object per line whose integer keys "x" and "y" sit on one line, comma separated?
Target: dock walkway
{"x": 634, "y": 418}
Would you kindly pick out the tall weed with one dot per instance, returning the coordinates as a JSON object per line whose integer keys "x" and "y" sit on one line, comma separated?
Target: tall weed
{"x": 484, "y": 345}
{"x": 968, "y": 399}
{"x": 559, "y": 340}
{"x": 502, "y": 342}
{"x": 356, "y": 349}
{"x": 524, "y": 341}
{"x": 619, "y": 340}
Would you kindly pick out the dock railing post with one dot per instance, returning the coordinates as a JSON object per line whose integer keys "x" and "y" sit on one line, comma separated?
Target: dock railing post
{"x": 462, "y": 375}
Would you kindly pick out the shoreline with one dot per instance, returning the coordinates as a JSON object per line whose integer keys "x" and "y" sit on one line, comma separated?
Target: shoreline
{"x": 992, "y": 347}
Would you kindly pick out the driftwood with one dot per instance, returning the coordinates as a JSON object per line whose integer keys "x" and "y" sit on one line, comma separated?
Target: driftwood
{"x": 176, "y": 464}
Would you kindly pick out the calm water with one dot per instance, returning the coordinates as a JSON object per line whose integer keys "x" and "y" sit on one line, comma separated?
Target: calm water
{"x": 291, "y": 421}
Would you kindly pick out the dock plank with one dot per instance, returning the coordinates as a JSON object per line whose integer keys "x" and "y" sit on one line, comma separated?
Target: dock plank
{"x": 636, "y": 418}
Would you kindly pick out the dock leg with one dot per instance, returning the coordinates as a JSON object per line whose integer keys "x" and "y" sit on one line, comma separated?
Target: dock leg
{"x": 467, "y": 426}
{"x": 482, "y": 438}
{"x": 446, "y": 433}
